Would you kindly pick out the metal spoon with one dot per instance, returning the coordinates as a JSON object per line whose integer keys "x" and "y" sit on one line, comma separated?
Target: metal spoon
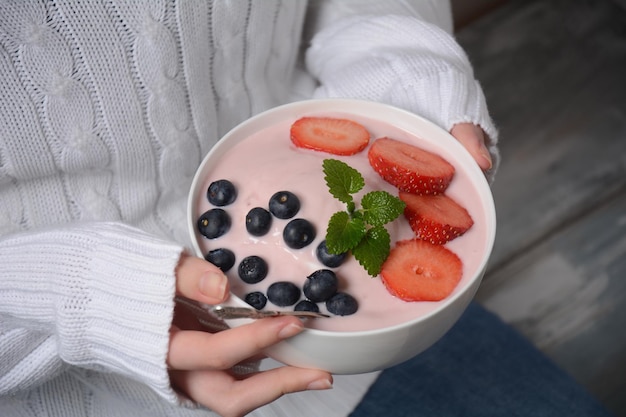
{"x": 227, "y": 312}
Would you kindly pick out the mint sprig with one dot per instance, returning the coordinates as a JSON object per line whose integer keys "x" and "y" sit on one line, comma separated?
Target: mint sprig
{"x": 359, "y": 230}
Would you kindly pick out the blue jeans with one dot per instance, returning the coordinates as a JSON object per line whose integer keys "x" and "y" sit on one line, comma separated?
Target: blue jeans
{"x": 481, "y": 367}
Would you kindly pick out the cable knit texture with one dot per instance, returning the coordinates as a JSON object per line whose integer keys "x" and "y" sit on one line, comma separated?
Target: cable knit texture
{"x": 106, "y": 109}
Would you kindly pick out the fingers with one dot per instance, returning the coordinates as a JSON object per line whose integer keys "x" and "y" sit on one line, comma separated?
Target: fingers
{"x": 472, "y": 138}
{"x": 200, "y": 366}
{"x": 200, "y": 350}
{"x": 230, "y": 397}
{"x": 200, "y": 362}
{"x": 200, "y": 280}
{"x": 270, "y": 385}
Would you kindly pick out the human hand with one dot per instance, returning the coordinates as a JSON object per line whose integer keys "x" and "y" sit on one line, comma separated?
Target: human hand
{"x": 472, "y": 137}
{"x": 200, "y": 362}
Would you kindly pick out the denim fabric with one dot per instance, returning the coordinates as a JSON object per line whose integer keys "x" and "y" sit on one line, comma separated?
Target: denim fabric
{"x": 481, "y": 367}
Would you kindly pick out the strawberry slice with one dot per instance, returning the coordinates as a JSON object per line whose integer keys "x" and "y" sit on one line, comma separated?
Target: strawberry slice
{"x": 410, "y": 168}
{"x": 435, "y": 218}
{"x": 416, "y": 270}
{"x": 336, "y": 136}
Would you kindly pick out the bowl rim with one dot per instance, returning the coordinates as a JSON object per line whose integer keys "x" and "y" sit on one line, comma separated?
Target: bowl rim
{"x": 372, "y": 110}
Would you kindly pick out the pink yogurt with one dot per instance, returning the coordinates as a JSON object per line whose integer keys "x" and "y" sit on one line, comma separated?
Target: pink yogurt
{"x": 267, "y": 162}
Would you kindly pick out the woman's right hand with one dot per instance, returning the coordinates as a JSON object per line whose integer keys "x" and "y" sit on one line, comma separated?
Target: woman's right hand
{"x": 200, "y": 363}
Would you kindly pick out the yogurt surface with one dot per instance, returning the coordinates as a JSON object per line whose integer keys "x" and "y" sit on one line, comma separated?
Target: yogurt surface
{"x": 267, "y": 162}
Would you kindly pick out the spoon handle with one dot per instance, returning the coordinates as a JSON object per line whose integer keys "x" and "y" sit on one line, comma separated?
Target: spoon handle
{"x": 227, "y": 312}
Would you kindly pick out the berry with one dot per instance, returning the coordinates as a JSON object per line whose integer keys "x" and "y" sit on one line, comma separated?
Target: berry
{"x": 320, "y": 285}
{"x": 214, "y": 223}
{"x": 252, "y": 269}
{"x": 410, "y": 168}
{"x": 342, "y": 304}
{"x": 258, "y": 221}
{"x": 435, "y": 218}
{"x": 298, "y": 233}
{"x": 306, "y": 305}
{"x": 256, "y": 299}
{"x": 417, "y": 270}
{"x": 329, "y": 259}
{"x": 283, "y": 293}
{"x": 284, "y": 205}
{"x": 221, "y": 193}
{"x": 223, "y": 258}
{"x": 335, "y": 136}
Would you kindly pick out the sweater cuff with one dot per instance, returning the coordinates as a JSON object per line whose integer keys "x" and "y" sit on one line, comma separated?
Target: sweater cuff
{"x": 130, "y": 307}
{"x": 103, "y": 292}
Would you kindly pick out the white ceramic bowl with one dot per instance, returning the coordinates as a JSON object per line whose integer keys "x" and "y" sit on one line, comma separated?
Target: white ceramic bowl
{"x": 361, "y": 351}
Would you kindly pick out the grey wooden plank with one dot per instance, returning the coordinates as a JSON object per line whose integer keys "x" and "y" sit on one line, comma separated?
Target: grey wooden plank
{"x": 568, "y": 296}
{"x": 553, "y": 73}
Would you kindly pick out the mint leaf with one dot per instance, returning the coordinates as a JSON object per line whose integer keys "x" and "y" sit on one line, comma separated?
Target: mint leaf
{"x": 361, "y": 230}
{"x": 342, "y": 180}
{"x": 343, "y": 232}
{"x": 380, "y": 207}
{"x": 373, "y": 249}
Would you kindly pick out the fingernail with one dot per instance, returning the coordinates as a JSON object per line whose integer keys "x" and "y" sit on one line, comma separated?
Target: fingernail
{"x": 290, "y": 330}
{"x": 213, "y": 284}
{"x": 320, "y": 384}
{"x": 485, "y": 153}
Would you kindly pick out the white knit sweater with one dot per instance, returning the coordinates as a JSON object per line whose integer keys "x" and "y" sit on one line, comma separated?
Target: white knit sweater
{"x": 106, "y": 109}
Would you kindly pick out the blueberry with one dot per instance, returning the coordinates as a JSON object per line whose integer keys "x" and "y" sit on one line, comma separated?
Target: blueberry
{"x": 306, "y": 305}
{"x": 342, "y": 304}
{"x": 252, "y": 269}
{"x": 214, "y": 223}
{"x": 283, "y": 293}
{"x": 298, "y": 233}
{"x": 221, "y": 193}
{"x": 256, "y": 299}
{"x": 284, "y": 204}
{"x": 320, "y": 285}
{"x": 331, "y": 260}
{"x": 223, "y": 258}
{"x": 258, "y": 221}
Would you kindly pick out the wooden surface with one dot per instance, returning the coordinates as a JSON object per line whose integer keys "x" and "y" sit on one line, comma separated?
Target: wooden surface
{"x": 465, "y": 11}
{"x": 554, "y": 73}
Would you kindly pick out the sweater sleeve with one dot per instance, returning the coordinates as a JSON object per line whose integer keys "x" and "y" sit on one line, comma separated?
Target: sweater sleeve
{"x": 403, "y": 61}
{"x": 95, "y": 295}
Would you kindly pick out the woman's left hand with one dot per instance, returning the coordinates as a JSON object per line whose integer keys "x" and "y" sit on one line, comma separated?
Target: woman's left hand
{"x": 472, "y": 137}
